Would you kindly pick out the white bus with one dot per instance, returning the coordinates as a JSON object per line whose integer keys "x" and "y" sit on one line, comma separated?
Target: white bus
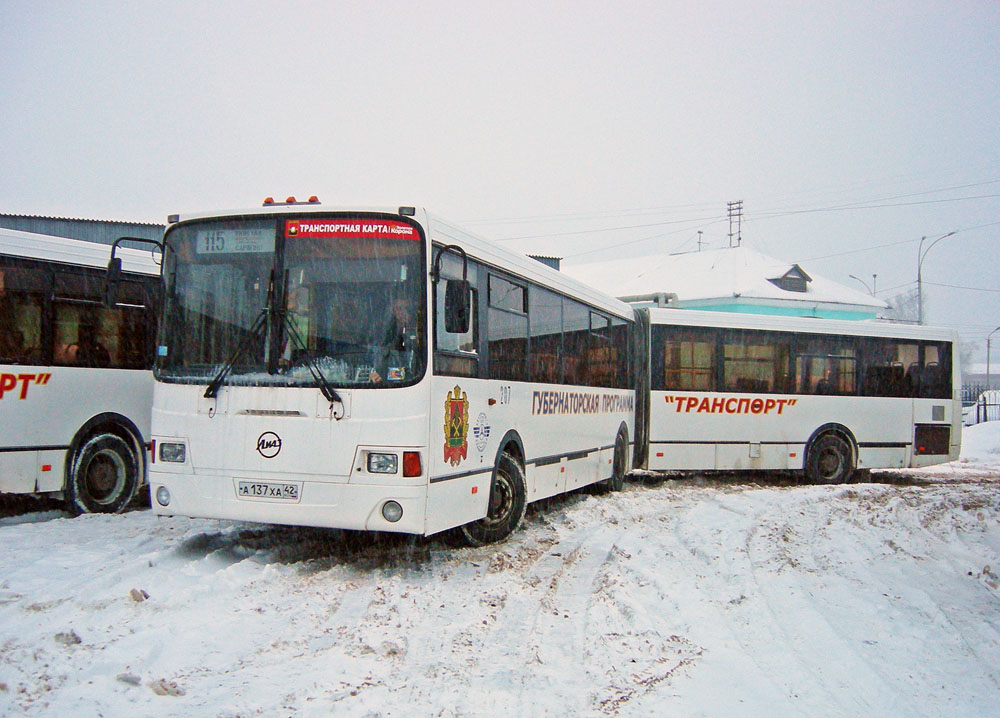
{"x": 75, "y": 383}
{"x": 830, "y": 398}
{"x": 378, "y": 369}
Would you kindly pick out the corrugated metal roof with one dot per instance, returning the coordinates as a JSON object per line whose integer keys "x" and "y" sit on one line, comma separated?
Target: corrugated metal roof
{"x": 77, "y": 219}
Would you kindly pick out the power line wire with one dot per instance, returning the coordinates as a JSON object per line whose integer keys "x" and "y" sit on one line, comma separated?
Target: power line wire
{"x": 636, "y": 241}
{"x": 860, "y": 204}
{"x": 853, "y": 205}
{"x": 575, "y": 216}
{"x": 865, "y": 205}
{"x": 894, "y": 244}
{"x": 958, "y": 286}
{"x": 606, "y": 229}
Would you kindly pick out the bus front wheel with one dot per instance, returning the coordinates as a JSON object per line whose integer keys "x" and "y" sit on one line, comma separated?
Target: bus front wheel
{"x": 508, "y": 499}
{"x": 829, "y": 461}
{"x": 104, "y": 475}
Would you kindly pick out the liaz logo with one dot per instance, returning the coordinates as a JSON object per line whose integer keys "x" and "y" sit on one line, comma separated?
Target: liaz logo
{"x": 268, "y": 444}
{"x": 9, "y": 382}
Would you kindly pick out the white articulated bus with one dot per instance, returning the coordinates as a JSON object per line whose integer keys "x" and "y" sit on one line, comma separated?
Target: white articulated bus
{"x": 745, "y": 392}
{"x": 378, "y": 369}
{"x": 75, "y": 383}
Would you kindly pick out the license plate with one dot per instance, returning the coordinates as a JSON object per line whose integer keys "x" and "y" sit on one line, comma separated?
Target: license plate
{"x": 265, "y": 490}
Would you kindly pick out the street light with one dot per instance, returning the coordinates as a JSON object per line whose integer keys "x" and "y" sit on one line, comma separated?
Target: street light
{"x": 871, "y": 289}
{"x": 988, "y": 338}
{"x": 921, "y": 253}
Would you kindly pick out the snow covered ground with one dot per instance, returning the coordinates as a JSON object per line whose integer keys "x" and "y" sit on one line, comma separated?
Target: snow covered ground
{"x": 685, "y": 598}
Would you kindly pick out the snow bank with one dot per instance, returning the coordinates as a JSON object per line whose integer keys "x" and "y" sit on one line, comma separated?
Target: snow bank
{"x": 710, "y": 598}
{"x": 981, "y": 444}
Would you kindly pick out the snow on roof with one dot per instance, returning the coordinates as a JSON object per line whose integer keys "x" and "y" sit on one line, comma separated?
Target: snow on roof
{"x": 713, "y": 274}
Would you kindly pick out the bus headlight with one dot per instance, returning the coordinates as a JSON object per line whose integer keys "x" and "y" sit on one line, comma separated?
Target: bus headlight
{"x": 392, "y": 511}
{"x": 163, "y": 496}
{"x": 173, "y": 452}
{"x": 382, "y": 463}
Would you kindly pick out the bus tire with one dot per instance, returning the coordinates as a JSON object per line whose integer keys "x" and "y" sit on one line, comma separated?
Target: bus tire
{"x": 103, "y": 476}
{"x": 830, "y": 460}
{"x": 618, "y": 465}
{"x": 508, "y": 500}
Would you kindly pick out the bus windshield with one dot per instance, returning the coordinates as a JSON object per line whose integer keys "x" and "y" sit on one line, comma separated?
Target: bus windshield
{"x": 294, "y": 301}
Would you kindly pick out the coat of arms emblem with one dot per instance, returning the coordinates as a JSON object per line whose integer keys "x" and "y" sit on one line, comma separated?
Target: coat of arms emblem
{"x": 456, "y": 426}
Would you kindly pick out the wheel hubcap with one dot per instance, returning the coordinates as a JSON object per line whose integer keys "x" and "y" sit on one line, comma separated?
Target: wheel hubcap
{"x": 501, "y": 500}
{"x": 104, "y": 477}
{"x": 829, "y": 464}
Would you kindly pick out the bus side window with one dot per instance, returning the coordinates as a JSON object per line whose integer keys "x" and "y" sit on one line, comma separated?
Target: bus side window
{"x": 545, "y": 315}
{"x": 935, "y": 374}
{"x": 87, "y": 333}
{"x": 602, "y": 354}
{"x": 619, "y": 354}
{"x": 689, "y": 363}
{"x": 576, "y": 333}
{"x": 455, "y": 354}
{"x": 507, "y": 330}
{"x": 21, "y": 299}
{"x": 749, "y": 363}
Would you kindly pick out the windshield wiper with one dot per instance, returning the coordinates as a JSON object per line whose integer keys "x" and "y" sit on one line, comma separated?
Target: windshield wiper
{"x": 213, "y": 387}
{"x": 324, "y": 386}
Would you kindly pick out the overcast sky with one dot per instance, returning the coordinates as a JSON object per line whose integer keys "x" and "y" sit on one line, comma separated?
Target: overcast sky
{"x": 584, "y": 130}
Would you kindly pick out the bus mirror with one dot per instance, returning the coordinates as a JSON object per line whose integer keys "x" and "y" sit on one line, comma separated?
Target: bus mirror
{"x": 456, "y": 306}
{"x": 111, "y": 280}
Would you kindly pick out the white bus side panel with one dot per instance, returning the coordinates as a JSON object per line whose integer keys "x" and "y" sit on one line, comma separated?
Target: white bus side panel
{"x": 683, "y": 438}
{"x": 47, "y": 406}
{"x": 19, "y": 471}
{"x": 567, "y": 434}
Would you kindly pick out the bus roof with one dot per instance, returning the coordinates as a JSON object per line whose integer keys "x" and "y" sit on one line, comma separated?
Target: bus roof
{"x": 29, "y": 245}
{"x": 808, "y": 325}
{"x": 440, "y": 230}
{"x": 493, "y": 254}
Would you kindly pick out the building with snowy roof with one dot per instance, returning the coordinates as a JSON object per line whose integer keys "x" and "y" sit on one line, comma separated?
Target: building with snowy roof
{"x": 735, "y": 279}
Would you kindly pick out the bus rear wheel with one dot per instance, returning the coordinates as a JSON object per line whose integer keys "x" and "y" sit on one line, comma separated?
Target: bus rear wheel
{"x": 104, "y": 475}
{"x": 508, "y": 500}
{"x": 829, "y": 461}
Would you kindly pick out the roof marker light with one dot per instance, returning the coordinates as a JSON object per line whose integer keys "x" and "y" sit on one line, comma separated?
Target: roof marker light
{"x": 314, "y": 199}
{"x": 268, "y": 200}
{"x": 290, "y": 200}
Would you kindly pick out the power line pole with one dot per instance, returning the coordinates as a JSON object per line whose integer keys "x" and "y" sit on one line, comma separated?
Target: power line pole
{"x": 735, "y": 211}
{"x": 699, "y": 239}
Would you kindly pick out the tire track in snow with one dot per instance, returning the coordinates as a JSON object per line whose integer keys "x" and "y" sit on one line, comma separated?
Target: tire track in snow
{"x": 939, "y": 602}
{"x": 514, "y": 642}
{"x": 784, "y": 593}
{"x": 744, "y": 578}
{"x": 560, "y": 631}
{"x": 712, "y": 581}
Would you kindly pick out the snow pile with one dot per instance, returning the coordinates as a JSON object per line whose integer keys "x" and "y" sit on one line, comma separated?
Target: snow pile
{"x": 703, "y": 597}
{"x": 981, "y": 443}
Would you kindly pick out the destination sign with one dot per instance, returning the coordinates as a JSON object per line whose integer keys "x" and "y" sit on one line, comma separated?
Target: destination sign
{"x": 333, "y": 228}
{"x": 235, "y": 241}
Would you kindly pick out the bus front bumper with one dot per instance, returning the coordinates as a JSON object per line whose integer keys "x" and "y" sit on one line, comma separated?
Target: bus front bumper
{"x": 362, "y": 507}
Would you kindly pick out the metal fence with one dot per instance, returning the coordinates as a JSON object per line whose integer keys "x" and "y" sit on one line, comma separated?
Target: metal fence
{"x": 979, "y": 404}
